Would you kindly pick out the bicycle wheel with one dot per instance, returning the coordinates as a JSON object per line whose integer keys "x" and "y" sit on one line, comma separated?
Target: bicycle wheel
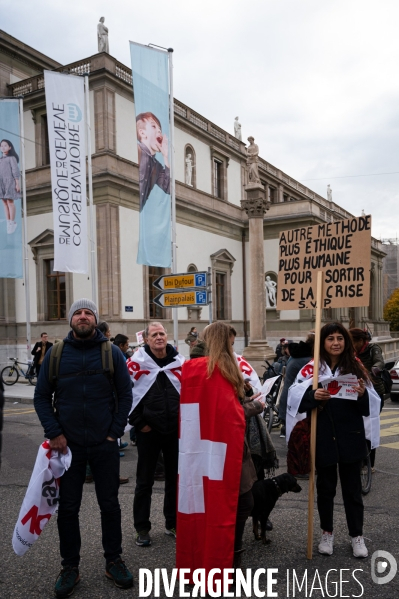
{"x": 365, "y": 475}
{"x": 32, "y": 379}
{"x": 276, "y": 419}
{"x": 9, "y": 375}
{"x": 268, "y": 417}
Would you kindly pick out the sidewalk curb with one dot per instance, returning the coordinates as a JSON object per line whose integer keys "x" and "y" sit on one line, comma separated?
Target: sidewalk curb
{"x": 24, "y": 400}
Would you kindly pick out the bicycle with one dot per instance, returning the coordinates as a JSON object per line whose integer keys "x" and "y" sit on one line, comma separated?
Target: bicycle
{"x": 365, "y": 475}
{"x": 10, "y": 374}
{"x": 271, "y": 411}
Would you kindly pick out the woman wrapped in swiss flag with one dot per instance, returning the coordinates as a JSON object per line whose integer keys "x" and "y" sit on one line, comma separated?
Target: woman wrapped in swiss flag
{"x": 216, "y": 472}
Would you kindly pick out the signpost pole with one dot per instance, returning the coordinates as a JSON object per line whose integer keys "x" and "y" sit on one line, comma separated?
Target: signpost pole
{"x": 93, "y": 242}
{"x": 173, "y": 190}
{"x": 313, "y": 424}
{"x": 210, "y": 293}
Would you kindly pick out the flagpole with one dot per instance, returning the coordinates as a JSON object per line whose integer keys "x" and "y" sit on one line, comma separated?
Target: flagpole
{"x": 173, "y": 190}
{"x": 313, "y": 422}
{"x": 93, "y": 244}
{"x": 25, "y": 230}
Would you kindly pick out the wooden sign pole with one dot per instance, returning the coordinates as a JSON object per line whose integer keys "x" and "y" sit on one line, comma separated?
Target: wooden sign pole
{"x": 313, "y": 425}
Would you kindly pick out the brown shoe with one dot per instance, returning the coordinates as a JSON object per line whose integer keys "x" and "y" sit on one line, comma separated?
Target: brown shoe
{"x": 122, "y": 480}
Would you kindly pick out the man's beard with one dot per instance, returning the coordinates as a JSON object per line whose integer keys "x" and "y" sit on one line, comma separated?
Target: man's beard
{"x": 83, "y": 331}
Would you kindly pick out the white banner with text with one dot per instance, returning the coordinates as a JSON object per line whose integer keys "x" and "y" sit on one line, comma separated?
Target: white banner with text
{"x": 67, "y": 142}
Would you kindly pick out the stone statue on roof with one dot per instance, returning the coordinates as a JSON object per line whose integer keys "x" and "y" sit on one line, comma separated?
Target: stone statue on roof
{"x": 329, "y": 193}
{"x": 237, "y": 129}
{"x": 252, "y": 162}
{"x": 102, "y": 36}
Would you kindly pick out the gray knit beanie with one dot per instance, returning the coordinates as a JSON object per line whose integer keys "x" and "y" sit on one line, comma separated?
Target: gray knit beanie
{"x": 83, "y": 303}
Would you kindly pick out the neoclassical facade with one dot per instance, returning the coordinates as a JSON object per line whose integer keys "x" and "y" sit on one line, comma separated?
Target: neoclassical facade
{"x": 212, "y": 228}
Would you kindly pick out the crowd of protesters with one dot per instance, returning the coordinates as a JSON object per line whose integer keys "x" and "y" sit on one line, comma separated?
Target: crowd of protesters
{"x": 166, "y": 400}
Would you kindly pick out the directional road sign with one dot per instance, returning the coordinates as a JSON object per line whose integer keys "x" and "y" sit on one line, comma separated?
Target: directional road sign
{"x": 184, "y": 298}
{"x": 183, "y": 280}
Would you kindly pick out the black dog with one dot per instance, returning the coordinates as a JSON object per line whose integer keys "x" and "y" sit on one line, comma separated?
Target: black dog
{"x": 265, "y": 494}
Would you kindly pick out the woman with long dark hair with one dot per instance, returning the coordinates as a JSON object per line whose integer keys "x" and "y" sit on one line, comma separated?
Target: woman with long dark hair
{"x": 213, "y": 387}
{"x": 341, "y": 431}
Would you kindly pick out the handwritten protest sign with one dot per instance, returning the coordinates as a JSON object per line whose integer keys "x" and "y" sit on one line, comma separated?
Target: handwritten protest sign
{"x": 341, "y": 250}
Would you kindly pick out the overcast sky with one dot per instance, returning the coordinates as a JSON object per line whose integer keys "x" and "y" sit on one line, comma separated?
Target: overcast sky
{"x": 314, "y": 81}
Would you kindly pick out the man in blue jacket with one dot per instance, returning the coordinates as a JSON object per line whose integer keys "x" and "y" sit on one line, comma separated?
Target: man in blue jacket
{"x": 86, "y": 420}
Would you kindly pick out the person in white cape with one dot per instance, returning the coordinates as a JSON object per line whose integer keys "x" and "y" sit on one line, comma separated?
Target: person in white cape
{"x": 342, "y": 428}
{"x": 155, "y": 370}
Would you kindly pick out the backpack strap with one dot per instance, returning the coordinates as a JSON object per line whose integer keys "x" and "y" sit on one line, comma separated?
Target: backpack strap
{"x": 108, "y": 368}
{"x": 106, "y": 357}
{"x": 55, "y": 359}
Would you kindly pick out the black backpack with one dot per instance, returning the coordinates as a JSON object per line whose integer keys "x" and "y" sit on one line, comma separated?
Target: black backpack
{"x": 386, "y": 379}
{"x": 106, "y": 361}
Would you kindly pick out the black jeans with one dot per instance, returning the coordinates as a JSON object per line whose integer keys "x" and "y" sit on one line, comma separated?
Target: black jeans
{"x": 148, "y": 447}
{"x": 351, "y": 485}
{"x": 244, "y": 509}
{"x": 104, "y": 462}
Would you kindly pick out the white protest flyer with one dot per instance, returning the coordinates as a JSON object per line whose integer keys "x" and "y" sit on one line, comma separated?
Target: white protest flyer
{"x": 268, "y": 384}
{"x": 341, "y": 386}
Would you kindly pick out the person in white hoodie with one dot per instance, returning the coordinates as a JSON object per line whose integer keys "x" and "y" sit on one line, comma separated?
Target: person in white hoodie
{"x": 341, "y": 435}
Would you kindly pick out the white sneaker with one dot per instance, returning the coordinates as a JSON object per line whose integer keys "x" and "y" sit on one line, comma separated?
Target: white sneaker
{"x": 359, "y": 547}
{"x": 9, "y": 223}
{"x": 326, "y": 545}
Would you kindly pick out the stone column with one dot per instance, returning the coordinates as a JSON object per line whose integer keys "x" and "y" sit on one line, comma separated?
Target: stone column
{"x": 379, "y": 306}
{"x": 258, "y": 349}
{"x": 280, "y": 193}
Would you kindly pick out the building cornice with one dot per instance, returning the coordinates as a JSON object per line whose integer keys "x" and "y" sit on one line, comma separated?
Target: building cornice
{"x": 25, "y": 54}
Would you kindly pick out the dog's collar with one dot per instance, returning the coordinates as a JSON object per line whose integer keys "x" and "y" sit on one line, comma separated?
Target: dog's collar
{"x": 278, "y": 488}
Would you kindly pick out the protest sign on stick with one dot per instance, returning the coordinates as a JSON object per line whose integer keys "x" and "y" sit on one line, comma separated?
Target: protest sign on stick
{"x": 341, "y": 250}
{"x": 323, "y": 266}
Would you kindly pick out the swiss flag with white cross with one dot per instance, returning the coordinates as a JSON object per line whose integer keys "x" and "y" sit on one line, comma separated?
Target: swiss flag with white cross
{"x": 211, "y": 441}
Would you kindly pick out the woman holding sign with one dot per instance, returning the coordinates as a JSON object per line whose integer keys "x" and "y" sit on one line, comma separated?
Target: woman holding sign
{"x": 347, "y": 412}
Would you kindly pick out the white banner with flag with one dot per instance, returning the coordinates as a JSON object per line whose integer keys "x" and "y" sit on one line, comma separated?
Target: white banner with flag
{"x": 67, "y": 142}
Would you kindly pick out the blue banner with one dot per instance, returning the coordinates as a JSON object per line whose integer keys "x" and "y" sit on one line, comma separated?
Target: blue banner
{"x": 151, "y": 98}
{"x": 10, "y": 191}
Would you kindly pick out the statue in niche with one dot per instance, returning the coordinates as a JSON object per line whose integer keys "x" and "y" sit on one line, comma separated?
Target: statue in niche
{"x": 271, "y": 289}
{"x": 329, "y": 193}
{"x": 252, "y": 162}
{"x": 189, "y": 170}
{"x": 237, "y": 129}
{"x": 102, "y": 36}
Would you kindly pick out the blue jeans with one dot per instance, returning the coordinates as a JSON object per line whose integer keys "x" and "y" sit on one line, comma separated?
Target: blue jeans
{"x": 104, "y": 462}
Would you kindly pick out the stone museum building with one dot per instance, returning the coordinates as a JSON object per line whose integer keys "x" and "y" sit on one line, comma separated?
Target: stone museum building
{"x": 212, "y": 225}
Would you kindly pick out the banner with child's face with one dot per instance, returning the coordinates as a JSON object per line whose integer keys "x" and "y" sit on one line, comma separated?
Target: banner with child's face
{"x": 10, "y": 191}
{"x": 151, "y": 98}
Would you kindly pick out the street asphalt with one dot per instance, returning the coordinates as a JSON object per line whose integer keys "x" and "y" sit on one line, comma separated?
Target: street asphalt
{"x": 33, "y": 575}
